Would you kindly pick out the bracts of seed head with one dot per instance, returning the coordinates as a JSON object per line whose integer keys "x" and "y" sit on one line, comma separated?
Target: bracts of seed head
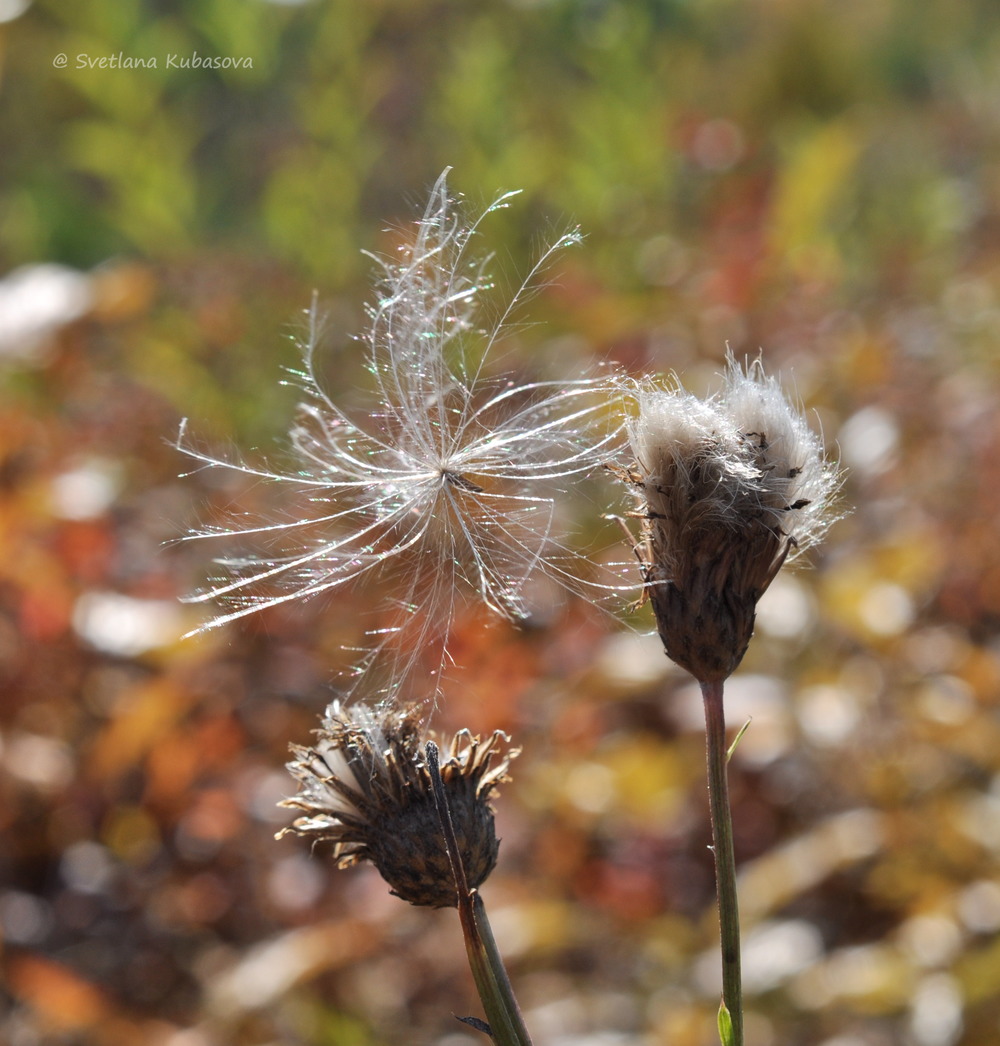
{"x": 365, "y": 787}
{"x": 727, "y": 489}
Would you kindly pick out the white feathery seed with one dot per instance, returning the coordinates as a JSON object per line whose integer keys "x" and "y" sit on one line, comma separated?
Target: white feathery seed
{"x": 746, "y": 452}
{"x": 446, "y": 484}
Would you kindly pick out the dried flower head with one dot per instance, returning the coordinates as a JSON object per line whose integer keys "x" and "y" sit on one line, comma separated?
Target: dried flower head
{"x": 728, "y": 487}
{"x": 448, "y": 480}
{"x": 365, "y": 787}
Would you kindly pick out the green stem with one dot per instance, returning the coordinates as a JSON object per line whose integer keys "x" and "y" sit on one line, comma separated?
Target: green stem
{"x": 488, "y": 971}
{"x": 502, "y": 1012}
{"x": 725, "y": 861}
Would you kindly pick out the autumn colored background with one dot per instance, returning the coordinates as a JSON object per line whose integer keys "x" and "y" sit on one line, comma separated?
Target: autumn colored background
{"x": 817, "y": 179}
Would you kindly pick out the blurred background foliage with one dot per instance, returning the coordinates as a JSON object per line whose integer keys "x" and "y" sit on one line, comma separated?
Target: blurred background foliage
{"x": 815, "y": 178}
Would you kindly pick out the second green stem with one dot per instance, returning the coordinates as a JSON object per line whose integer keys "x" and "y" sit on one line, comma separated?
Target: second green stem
{"x": 725, "y": 861}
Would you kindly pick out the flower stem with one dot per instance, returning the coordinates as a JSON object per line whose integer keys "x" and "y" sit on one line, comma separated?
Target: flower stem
{"x": 506, "y": 1025}
{"x": 725, "y": 861}
{"x": 502, "y": 1012}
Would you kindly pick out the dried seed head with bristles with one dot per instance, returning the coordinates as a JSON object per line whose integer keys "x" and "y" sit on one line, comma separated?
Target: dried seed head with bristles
{"x": 365, "y": 787}
{"x": 728, "y": 487}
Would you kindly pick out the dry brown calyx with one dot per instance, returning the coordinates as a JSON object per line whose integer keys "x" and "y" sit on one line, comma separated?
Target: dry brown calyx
{"x": 365, "y": 788}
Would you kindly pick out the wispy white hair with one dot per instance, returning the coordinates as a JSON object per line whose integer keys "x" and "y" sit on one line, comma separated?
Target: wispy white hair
{"x": 753, "y": 449}
{"x": 447, "y": 484}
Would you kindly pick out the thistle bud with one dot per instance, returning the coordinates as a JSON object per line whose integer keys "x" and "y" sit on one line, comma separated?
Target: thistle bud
{"x": 365, "y": 787}
{"x": 728, "y": 488}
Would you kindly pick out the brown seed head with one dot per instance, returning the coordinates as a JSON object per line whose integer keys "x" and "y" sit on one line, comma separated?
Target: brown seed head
{"x": 727, "y": 489}
{"x": 365, "y": 787}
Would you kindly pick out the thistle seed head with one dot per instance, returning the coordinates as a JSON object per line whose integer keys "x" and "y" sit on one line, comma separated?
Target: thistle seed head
{"x": 364, "y": 786}
{"x": 728, "y": 488}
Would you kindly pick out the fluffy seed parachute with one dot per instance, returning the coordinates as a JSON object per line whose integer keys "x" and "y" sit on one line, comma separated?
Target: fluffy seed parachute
{"x": 448, "y": 483}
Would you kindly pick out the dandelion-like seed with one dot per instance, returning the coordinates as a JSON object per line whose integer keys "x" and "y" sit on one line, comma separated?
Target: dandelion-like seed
{"x": 448, "y": 482}
{"x": 365, "y": 787}
{"x": 728, "y": 487}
